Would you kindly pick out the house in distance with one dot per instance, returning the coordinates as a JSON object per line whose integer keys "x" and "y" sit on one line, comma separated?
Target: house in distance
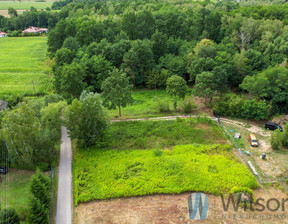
{"x": 35, "y": 30}
{"x": 3, "y": 34}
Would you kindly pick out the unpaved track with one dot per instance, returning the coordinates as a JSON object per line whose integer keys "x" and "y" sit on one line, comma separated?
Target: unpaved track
{"x": 64, "y": 199}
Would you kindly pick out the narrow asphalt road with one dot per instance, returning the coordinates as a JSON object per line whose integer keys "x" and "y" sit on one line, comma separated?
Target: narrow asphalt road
{"x": 64, "y": 197}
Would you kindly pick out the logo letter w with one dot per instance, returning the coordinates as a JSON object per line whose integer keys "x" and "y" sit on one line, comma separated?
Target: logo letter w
{"x": 198, "y": 206}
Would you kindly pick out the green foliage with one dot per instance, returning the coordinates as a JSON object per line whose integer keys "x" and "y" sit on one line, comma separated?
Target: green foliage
{"x": 116, "y": 90}
{"x": 156, "y": 78}
{"x": 251, "y": 109}
{"x": 21, "y": 63}
{"x": 270, "y": 84}
{"x": 158, "y": 152}
{"x": 276, "y": 139}
{"x": 238, "y": 191}
{"x": 239, "y": 106}
{"x": 188, "y": 105}
{"x": 111, "y": 173}
{"x": 9, "y": 215}
{"x": 138, "y": 61}
{"x": 162, "y": 105}
{"x": 52, "y": 98}
{"x": 86, "y": 119}
{"x": 176, "y": 87}
{"x": 279, "y": 139}
{"x": 69, "y": 81}
{"x": 40, "y": 198}
{"x": 16, "y": 191}
{"x": 31, "y": 132}
{"x": 161, "y": 134}
{"x": 38, "y": 213}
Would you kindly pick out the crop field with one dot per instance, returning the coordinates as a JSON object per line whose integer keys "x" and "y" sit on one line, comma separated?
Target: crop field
{"x": 22, "y": 63}
{"x": 125, "y": 169}
{"x": 4, "y": 5}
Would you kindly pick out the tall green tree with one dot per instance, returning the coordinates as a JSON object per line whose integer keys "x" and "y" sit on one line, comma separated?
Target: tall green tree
{"x": 69, "y": 81}
{"x": 86, "y": 119}
{"x": 207, "y": 83}
{"x": 117, "y": 91}
{"x": 139, "y": 60}
{"x": 176, "y": 87}
{"x": 9, "y": 215}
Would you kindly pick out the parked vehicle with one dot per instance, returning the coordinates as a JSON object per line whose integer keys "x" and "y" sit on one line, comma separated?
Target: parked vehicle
{"x": 253, "y": 140}
{"x": 273, "y": 126}
{"x": 3, "y": 170}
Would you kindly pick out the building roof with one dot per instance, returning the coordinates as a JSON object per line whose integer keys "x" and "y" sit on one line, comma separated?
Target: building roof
{"x": 3, "y": 104}
{"x": 3, "y": 33}
{"x": 33, "y": 29}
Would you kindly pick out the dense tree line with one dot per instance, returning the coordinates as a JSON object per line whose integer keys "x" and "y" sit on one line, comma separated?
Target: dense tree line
{"x": 32, "y": 17}
{"x": 214, "y": 47}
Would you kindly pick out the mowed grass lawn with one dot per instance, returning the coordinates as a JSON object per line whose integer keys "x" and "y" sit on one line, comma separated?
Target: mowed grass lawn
{"x": 14, "y": 190}
{"x": 23, "y": 60}
{"x": 4, "y": 5}
{"x": 127, "y": 168}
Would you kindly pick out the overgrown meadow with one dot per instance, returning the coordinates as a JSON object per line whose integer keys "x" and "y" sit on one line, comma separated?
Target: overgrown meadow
{"x": 181, "y": 157}
{"x": 23, "y": 64}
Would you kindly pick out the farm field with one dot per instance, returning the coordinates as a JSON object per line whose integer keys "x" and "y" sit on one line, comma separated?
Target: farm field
{"x": 21, "y": 62}
{"x": 14, "y": 190}
{"x": 4, "y": 5}
{"x": 131, "y": 171}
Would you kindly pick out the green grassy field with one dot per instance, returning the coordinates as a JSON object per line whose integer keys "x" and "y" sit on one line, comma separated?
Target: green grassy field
{"x": 203, "y": 168}
{"x": 149, "y": 157}
{"x": 22, "y": 61}
{"x": 148, "y": 103}
{"x": 162, "y": 134}
{"x": 4, "y": 5}
{"x": 14, "y": 191}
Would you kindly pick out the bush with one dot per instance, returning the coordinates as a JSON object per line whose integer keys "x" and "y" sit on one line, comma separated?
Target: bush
{"x": 9, "y": 215}
{"x": 163, "y": 105}
{"x": 188, "y": 105}
{"x": 158, "y": 152}
{"x": 238, "y": 191}
{"x": 276, "y": 139}
{"x": 41, "y": 198}
{"x": 238, "y": 106}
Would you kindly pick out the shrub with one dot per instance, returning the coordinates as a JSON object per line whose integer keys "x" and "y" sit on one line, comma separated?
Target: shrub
{"x": 41, "y": 198}
{"x": 241, "y": 107}
{"x": 276, "y": 139}
{"x": 163, "y": 105}
{"x": 251, "y": 109}
{"x": 158, "y": 152}
{"x": 187, "y": 106}
{"x": 238, "y": 191}
{"x": 9, "y": 215}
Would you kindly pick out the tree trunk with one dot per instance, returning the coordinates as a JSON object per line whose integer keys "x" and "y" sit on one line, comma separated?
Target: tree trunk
{"x": 119, "y": 111}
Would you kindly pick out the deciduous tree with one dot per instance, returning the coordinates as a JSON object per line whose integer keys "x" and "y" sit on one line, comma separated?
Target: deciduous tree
{"x": 117, "y": 91}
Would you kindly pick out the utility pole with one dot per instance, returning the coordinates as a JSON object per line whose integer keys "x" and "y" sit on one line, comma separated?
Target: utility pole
{"x": 34, "y": 87}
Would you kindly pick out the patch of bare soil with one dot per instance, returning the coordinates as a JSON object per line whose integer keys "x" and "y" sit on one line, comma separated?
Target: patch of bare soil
{"x": 162, "y": 209}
